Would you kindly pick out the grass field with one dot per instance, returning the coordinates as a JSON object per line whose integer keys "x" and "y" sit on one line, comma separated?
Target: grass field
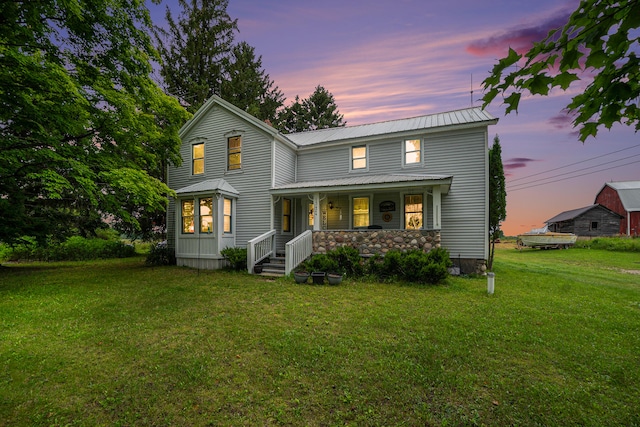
{"x": 118, "y": 343}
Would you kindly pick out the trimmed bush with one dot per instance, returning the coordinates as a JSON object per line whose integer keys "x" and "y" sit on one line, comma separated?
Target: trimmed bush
{"x": 322, "y": 262}
{"x": 349, "y": 261}
{"x": 237, "y": 258}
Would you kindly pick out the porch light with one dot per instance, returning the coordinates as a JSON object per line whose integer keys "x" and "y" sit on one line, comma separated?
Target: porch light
{"x": 330, "y": 205}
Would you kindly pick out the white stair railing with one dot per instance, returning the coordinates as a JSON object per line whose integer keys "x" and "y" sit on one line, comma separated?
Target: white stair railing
{"x": 259, "y": 248}
{"x": 297, "y": 250}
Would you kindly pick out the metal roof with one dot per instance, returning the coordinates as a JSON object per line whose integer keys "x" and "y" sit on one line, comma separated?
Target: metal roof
{"x": 364, "y": 181}
{"x": 574, "y": 213}
{"x": 211, "y": 185}
{"x": 468, "y": 116}
{"x": 629, "y": 192}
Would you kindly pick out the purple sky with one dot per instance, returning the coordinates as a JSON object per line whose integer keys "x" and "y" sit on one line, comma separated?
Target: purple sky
{"x": 391, "y": 59}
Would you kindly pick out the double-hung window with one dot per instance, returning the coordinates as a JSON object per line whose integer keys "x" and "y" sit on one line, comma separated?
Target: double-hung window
{"x": 188, "y": 216}
{"x": 360, "y": 212}
{"x": 413, "y": 213}
{"x": 234, "y": 153}
{"x": 227, "y": 216}
{"x": 412, "y": 152}
{"x": 359, "y": 157}
{"x": 206, "y": 215}
{"x": 197, "y": 159}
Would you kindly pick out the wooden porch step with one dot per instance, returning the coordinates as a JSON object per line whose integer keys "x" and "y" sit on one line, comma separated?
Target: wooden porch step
{"x": 274, "y": 267}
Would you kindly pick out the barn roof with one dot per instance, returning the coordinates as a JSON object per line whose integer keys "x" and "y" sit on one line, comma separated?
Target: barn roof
{"x": 465, "y": 117}
{"x": 629, "y": 192}
{"x": 574, "y": 213}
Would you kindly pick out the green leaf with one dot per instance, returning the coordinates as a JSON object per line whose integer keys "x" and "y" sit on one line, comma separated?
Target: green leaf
{"x": 565, "y": 79}
{"x": 540, "y": 84}
{"x": 512, "y": 101}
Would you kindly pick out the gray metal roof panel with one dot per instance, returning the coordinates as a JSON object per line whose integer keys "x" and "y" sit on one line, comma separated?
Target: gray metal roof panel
{"x": 362, "y": 180}
{"x": 629, "y": 192}
{"x": 467, "y": 116}
{"x": 568, "y": 215}
{"x": 210, "y": 185}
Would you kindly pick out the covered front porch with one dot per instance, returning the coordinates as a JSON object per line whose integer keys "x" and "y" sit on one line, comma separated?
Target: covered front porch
{"x": 371, "y": 213}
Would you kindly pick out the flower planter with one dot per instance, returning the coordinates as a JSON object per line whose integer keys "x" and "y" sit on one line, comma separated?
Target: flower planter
{"x": 334, "y": 279}
{"x": 318, "y": 277}
{"x": 301, "y": 276}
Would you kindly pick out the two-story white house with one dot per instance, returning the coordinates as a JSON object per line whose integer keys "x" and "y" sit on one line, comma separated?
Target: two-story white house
{"x": 411, "y": 183}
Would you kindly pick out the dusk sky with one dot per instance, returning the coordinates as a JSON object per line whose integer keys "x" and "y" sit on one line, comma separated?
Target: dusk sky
{"x": 392, "y": 59}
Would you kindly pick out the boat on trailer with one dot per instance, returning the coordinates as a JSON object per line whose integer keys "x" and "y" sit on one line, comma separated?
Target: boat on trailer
{"x": 545, "y": 239}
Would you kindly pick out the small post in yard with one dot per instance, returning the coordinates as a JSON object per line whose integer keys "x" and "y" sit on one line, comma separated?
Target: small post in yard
{"x": 490, "y": 282}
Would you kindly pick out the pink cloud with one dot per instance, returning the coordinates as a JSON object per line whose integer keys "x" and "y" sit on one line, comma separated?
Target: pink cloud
{"x": 520, "y": 38}
{"x": 517, "y": 163}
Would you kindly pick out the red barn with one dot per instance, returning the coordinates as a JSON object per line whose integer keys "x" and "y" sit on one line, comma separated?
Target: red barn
{"x": 623, "y": 198}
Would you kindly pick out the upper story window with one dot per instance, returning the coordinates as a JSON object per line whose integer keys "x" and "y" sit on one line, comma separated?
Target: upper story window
{"x": 206, "y": 215}
{"x": 286, "y": 215}
{"x": 227, "y": 213}
{"x": 359, "y": 157}
{"x": 234, "y": 153}
{"x": 412, "y": 151}
{"x": 197, "y": 159}
{"x": 413, "y": 214}
{"x": 187, "y": 216}
{"x": 360, "y": 212}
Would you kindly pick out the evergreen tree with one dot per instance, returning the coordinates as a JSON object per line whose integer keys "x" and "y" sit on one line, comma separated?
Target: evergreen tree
{"x": 196, "y": 50}
{"x": 497, "y": 197}
{"x": 247, "y": 86}
{"x": 319, "y": 111}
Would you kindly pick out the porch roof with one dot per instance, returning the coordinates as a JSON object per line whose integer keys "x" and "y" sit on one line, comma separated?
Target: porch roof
{"x": 209, "y": 186}
{"x": 365, "y": 182}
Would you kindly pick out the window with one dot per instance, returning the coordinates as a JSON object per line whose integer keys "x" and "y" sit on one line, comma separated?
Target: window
{"x": 413, "y": 211}
{"x": 227, "y": 215}
{"x": 411, "y": 151}
{"x": 234, "y": 153}
{"x": 197, "y": 156}
{"x": 359, "y": 157}
{"x": 360, "y": 212}
{"x": 594, "y": 225}
{"x": 311, "y": 214}
{"x": 286, "y": 215}
{"x": 206, "y": 215}
{"x": 187, "y": 216}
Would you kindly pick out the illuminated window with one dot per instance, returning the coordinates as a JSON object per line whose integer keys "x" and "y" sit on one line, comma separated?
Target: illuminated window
{"x": 286, "y": 215}
{"x": 310, "y": 214}
{"x": 413, "y": 211}
{"x": 234, "y": 153}
{"x": 227, "y": 215}
{"x": 411, "y": 151}
{"x": 359, "y": 157}
{"x": 197, "y": 156}
{"x": 360, "y": 212}
{"x": 187, "y": 216}
{"x": 206, "y": 215}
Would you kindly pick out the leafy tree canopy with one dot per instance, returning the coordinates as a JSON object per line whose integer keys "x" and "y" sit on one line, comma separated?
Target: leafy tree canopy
{"x": 600, "y": 39}
{"x": 83, "y": 128}
{"x": 319, "y": 111}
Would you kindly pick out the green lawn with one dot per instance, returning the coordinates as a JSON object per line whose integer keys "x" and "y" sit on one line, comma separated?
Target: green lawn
{"x": 118, "y": 343}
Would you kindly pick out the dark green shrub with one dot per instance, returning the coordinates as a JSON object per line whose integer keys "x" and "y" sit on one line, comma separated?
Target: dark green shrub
{"x": 391, "y": 265}
{"x": 349, "y": 260}
{"x": 322, "y": 262}
{"x": 412, "y": 266}
{"x": 75, "y": 248}
{"x": 237, "y": 258}
{"x": 161, "y": 254}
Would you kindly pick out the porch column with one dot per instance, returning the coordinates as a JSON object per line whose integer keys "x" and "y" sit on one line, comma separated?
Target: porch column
{"x": 316, "y": 210}
{"x": 437, "y": 221}
{"x": 272, "y": 214}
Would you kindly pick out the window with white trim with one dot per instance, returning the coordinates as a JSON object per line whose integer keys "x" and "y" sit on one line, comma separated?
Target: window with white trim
{"x": 413, "y": 212}
{"x": 197, "y": 159}
{"x": 360, "y": 212}
{"x": 206, "y": 215}
{"x": 227, "y": 216}
{"x": 188, "y": 216}
{"x": 359, "y": 157}
{"x": 286, "y": 215}
{"x": 412, "y": 151}
{"x": 234, "y": 153}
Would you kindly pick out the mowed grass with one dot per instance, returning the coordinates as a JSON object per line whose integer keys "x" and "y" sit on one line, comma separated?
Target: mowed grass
{"x": 118, "y": 343}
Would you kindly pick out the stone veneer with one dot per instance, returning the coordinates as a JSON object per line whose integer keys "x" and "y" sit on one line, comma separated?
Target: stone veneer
{"x": 370, "y": 242}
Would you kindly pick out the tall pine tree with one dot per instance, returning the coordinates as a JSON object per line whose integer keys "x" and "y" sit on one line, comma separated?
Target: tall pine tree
{"x": 196, "y": 50}
{"x": 319, "y": 111}
{"x": 497, "y": 197}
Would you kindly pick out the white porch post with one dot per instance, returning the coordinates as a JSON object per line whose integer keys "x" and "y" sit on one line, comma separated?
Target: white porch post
{"x": 437, "y": 220}
{"x": 316, "y": 210}
{"x": 272, "y": 214}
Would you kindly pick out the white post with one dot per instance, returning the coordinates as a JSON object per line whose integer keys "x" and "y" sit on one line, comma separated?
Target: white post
{"x": 437, "y": 225}
{"x": 490, "y": 283}
{"x": 316, "y": 211}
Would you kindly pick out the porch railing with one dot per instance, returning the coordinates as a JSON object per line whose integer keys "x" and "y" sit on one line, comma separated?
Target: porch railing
{"x": 259, "y": 248}
{"x": 297, "y": 250}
